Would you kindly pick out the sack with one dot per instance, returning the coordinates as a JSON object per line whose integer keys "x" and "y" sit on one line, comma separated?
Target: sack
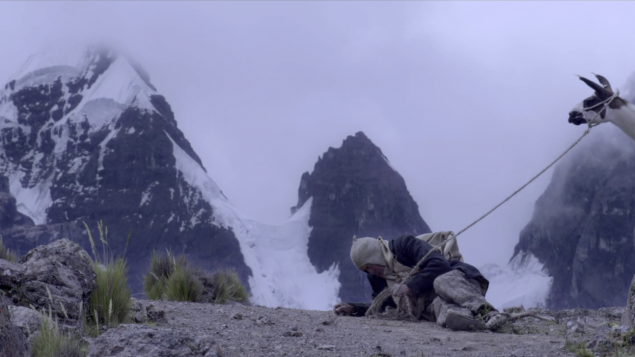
{"x": 449, "y": 247}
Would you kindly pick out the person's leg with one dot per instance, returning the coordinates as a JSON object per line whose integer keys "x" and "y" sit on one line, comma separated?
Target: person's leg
{"x": 454, "y": 287}
{"x": 453, "y": 316}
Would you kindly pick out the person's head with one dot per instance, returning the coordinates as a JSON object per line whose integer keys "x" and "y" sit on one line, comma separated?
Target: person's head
{"x": 367, "y": 255}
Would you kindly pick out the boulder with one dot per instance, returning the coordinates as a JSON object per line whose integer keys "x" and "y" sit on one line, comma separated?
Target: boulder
{"x": 147, "y": 341}
{"x": 58, "y": 275}
{"x": 628, "y": 318}
{"x": 26, "y": 319}
{"x": 10, "y": 276}
{"x": 12, "y": 339}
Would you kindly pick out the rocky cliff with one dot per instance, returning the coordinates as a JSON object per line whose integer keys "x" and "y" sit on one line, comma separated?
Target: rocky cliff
{"x": 583, "y": 225}
{"x": 355, "y": 192}
{"x": 85, "y": 136}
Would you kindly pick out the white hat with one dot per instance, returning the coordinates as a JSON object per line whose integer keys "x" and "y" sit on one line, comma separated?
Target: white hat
{"x": 367, "y": 250}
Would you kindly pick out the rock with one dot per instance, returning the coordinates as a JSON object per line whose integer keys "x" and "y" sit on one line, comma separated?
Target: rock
{"x": 146, "y": 341}
{"x": 63, "y": 270}
{"x": 12, "y": 339}
{"x": 27, "y": 319}
{"x": 326, "y": 348}
{"x": 292, "y": 334}
{"x": 237, "y": 316}
{"x": 138, "y": 311}
{"x": 154, "y": 315}
{"x": 355, "y": 192}
{"x": 582, "y": 225}
{"x": 10, "y": 276}
{"x": 628, "y": 318}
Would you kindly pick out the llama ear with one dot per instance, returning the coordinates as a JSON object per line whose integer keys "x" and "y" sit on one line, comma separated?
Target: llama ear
{"x": 354, "y": 238}
{"x": 596, "y": 87}
{"x": 604, "y": 82}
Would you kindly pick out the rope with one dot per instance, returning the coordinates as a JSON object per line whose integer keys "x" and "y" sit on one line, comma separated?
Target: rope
{"x": 591, "y": 124}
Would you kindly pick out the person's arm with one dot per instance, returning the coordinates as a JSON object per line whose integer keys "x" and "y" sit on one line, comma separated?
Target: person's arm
{"x": 409, "y": 250}
{"x": 378, "y": 284}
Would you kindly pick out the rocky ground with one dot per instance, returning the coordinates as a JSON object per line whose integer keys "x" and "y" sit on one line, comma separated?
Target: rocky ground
{"x": 191, "y": 329}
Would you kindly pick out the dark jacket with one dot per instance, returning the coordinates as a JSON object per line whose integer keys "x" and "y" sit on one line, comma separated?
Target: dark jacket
{"x": 408, "y": 250}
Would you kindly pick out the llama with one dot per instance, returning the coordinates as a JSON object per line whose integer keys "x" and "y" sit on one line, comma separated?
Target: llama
{"x": 609, "y": 105}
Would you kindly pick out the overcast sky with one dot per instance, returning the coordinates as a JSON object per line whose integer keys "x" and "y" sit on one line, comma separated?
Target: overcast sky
{"x": 467, "y": 100}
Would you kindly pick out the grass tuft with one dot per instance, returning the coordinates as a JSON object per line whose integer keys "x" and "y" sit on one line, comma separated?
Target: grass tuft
{"x": 6, "y": 254}
{"x": 183, "y": 285}
{"x": 579, "y": 348}
{"x": 51, "y": 341}
{"x": 110, "y": 300}
{"x": 171, "y": 278}
{"x": 227, "y": 286}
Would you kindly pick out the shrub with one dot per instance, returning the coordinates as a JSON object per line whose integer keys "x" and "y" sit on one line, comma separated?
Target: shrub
{"x": 183, "y": 285}
{"x": 110, "y": 300}
{"x": 6, "y": 254}
{"x": 171, "y": 278}
{"x": 227, "y": 286}
{"x": 51, "y": 341}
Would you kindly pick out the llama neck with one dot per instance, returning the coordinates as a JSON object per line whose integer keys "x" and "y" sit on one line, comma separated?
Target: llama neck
{"x": 623, "y": 118}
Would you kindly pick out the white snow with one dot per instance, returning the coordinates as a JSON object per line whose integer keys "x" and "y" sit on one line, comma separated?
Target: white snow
{"x": 9, "y": 112}
{"x": 521, "y": 282}
{"x": 55, "y": 57}
{"x": 282, "y": 273}
{"x": 277, "y": 255}
{"x": 103, "y": 148}
{"x": 32, "y": 202}
{"x": 121, "y": 83}
{"x": 146, "y": 195}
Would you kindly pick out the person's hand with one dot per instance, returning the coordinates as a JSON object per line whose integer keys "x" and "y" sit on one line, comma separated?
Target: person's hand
{"x": 343, "y": 309}
{"x": 400, "y": 290}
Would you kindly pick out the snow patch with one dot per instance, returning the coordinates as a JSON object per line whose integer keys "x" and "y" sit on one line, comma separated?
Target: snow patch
{"x": 103, "y": 148}
{"x": 146, "y": 195}
{"x": 32, "y": 202}
{"x": 523, "y": 282}
{"x": 8, "y": 111}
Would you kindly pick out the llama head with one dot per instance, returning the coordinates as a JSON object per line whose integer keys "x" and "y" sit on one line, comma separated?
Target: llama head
{"x": 588, "y": 109}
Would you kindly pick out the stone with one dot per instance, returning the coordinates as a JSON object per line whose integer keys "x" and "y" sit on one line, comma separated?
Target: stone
{"x": 12, "y": 339}
{"x": 11, "y": 276}
{"x": 292, "y": 334}
{"x": 154, "y": 315}
{"x": 138, "y": 311}
{"x": 628, "y": 318}
{"x": 27, "y": 319}
{"x": 326, "y": 347}
{"x": 146, "y": 341}
{"x": 60, "y": 276}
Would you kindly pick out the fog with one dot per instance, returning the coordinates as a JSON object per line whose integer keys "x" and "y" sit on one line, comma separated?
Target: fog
{"x": 467, "y": 100}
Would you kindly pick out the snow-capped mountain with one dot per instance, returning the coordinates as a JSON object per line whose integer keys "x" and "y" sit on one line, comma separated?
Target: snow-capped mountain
{"x": 85, "y": 136}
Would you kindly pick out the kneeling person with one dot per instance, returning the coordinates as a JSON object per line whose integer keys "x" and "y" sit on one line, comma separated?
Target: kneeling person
{"x": 452, "y": 293}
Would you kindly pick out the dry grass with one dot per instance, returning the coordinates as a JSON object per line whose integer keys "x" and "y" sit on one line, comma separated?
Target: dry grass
{"x": 110, "y": 301}
{"x": 6, "y": 254}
